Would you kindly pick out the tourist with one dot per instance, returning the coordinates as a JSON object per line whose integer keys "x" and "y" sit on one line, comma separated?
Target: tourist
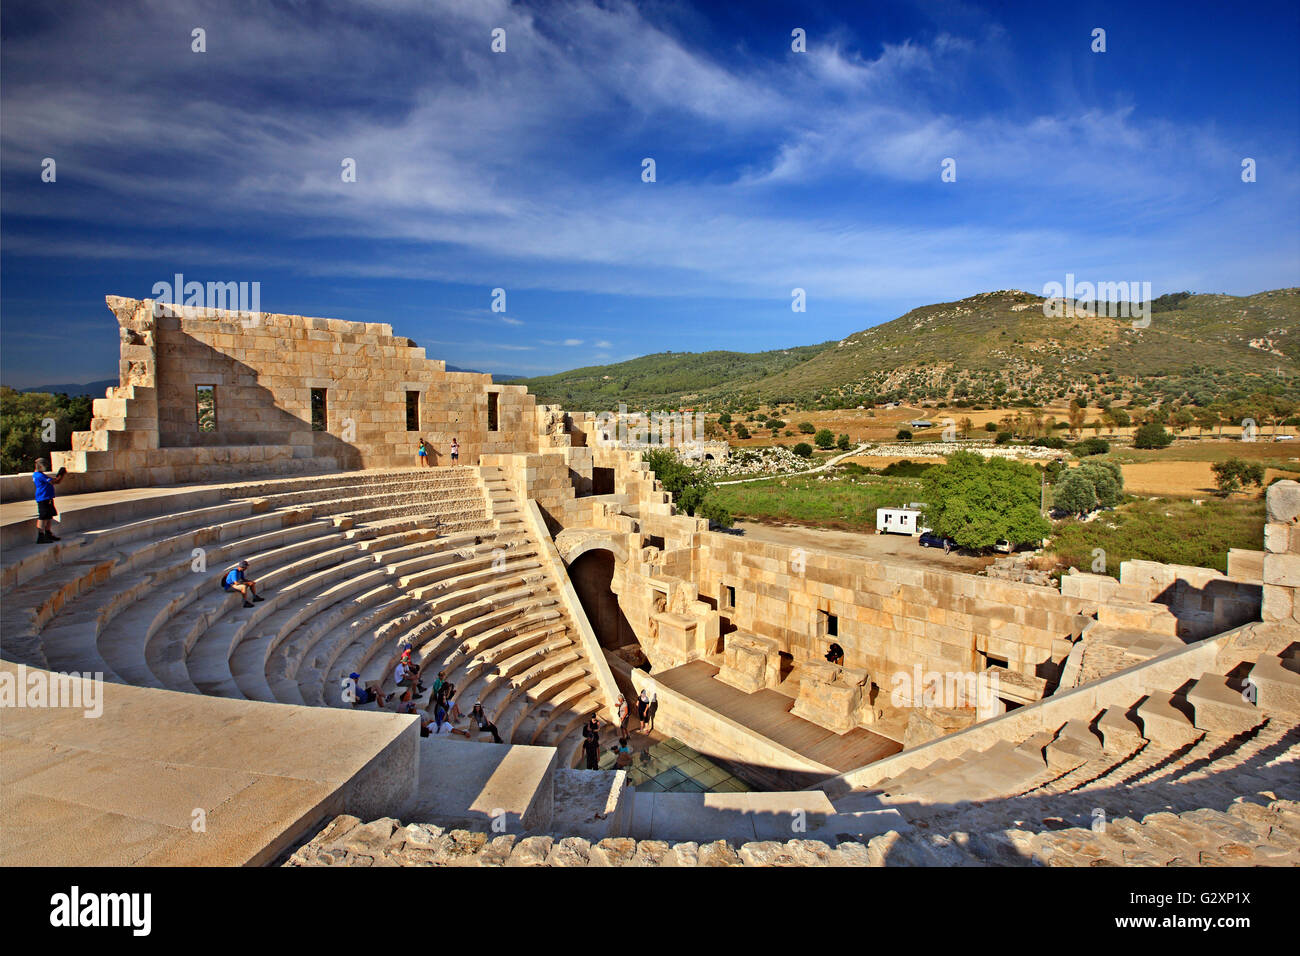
{"x": 236, "y": 580}
{"x": 624, "y": 715}
{"x": 623, "y": 754}
{"x": 591, "y": 747}
{"x": 650, "y": 710}
{"x": 45, "y": 510}
{"x": 455, "y": 451}
{"x": 479, "y": 716}
{"x": 412, "y": 668}
{"x": 642, "y": 703}
{"x": 404, "y": 677}
{"x": 836, "y": 655}
{"x": 423, "y": 453}
{"x": 442, "y": 727}
{"x": 407, "y": 705}
{"x": 439, "y": 681}
{"x": 454, "y": 713}
{"x": 364, "y": 695}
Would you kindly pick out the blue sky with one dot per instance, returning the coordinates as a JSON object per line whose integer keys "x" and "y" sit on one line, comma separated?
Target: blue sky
{"x": 522, "y": 170}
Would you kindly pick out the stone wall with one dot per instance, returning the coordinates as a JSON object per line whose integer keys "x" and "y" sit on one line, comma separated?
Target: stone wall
{"x": 264, "y": 369}
{"x": 888, "y": 617}
{"x": 1282, "y": 554}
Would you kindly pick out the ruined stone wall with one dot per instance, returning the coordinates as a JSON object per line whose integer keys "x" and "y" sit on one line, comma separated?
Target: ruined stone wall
{"x": 889, "y": 617}
{"x": 1282, "y": 554}
{"x": 264, "y": 368}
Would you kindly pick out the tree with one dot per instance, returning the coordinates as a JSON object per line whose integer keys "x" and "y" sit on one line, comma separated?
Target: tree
{"x": 1075, "y": 495}
{"x": 978, "y": 501}
{"x": 903, "y": 435}
{"x": 1091, "y": 446}
{"x": 807, "y": 428}
{"x": 24, "y": 426}
{"x": 1076, "y": 417}
{"x": 965, "y": 425}
{"x": 1182, "y": 419}
{"x": 824, "y": 438}
{"x": 689, "y": 488}
{"x": 1152, "y": 435}
{"x": 843, "y": 443}
{"x": 1235, "y": 474}
{"x": 741, "y": 431}
{"x": 991, "y": 427}
{"x": 803, "y": 450}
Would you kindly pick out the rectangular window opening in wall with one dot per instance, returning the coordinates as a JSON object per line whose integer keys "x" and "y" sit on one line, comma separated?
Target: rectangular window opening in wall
{"x": 493, "y": 424}
{"x": 205, "y": 407}
{"x": 412, "y": 411}
{"x": 602, "y": 481}
{"x": 728, "y": 596}
{"x": 828, "y": 625}
{"x": 991, "y": 661}
{"x": 319, "y": 412}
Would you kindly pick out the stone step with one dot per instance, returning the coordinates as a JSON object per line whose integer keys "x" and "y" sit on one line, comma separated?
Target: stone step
{"x": 1219, "y": 707}
{"x": 1167, "y": 720}
{"x": 1277, "y": 685}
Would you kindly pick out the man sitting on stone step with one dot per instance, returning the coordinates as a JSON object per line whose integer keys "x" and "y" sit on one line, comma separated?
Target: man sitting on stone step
{"x": 404, "y": 676}
{"x": 236, "y": 580}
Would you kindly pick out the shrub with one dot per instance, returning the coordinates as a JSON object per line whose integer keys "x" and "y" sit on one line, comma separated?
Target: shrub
{"x": 1235, "y": 474}
{"x": 1049, "y": 441}
{"x": 990, "y": 427}
{"x": 825, "y": 438}
{"x": 775, "y": 424}
{"x": 1152, "y": 435}
{"x": 904, "y": 435}
{"x": 741, "y": 431}
{"x": 1003, "y": 438}
{"x": 807, "y": 428}
{"x": 803, "y": 450}
{"x": 843, "y": 443}
{"x": 1091, "y": 446}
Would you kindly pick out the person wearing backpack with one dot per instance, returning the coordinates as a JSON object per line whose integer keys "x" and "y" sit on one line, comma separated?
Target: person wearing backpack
{"x": 236, "y": 580}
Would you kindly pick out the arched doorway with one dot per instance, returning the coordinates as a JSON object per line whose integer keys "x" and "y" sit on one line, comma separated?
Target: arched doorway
{"x": 592, "y": 574}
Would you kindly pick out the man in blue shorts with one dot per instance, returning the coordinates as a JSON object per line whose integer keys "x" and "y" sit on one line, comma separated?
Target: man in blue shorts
{"x": 235, "y": 580}
{"x": 45, "y": 510}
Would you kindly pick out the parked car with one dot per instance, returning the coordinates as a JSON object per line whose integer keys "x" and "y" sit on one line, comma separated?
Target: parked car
{"x": 1003, "y": 546}
{"x": 932, "y": 540}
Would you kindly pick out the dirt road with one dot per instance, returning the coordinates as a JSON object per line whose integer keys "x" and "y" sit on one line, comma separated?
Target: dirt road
{"x": 893, "y": 547}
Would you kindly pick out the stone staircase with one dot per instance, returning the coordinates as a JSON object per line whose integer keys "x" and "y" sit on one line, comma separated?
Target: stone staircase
{"x": 502, "y": 635}
{"x": 1207, "y": 775}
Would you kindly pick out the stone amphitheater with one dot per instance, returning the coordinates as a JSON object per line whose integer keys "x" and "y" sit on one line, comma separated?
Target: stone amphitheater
{"x": 1149, "y": 720}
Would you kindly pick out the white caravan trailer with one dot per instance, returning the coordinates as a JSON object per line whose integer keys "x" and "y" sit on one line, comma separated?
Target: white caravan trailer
{"x": 899, "y": 521}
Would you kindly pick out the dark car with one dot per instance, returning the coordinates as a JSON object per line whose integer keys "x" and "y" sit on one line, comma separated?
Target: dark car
{"x": 932, "y": 540}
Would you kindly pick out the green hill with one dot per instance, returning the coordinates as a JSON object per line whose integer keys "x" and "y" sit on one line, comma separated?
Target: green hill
{"x": 991, "y": 348}
{"x": 663, "y": 380}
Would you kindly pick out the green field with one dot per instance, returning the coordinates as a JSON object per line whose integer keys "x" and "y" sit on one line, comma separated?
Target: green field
{"x": 1166, "y": 530}
{"x": 846, "y": 503}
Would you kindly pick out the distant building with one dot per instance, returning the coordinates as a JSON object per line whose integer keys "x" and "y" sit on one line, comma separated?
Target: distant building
{"x": 899, "y": 521}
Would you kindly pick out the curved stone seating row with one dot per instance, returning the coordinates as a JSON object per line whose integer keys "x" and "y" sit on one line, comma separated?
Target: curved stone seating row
{"x": 352, "y": 567}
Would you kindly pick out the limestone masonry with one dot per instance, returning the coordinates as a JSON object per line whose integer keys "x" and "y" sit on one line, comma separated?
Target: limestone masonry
{"x": 1149, "y": 720}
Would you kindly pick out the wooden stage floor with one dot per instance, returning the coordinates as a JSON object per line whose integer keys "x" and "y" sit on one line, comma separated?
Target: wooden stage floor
{"x": 768, "y": 713}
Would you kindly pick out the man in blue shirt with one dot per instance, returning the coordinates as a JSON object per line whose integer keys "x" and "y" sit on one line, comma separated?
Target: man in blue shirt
{"x": 235, "y": 580}
{"x": 45, "y": 510}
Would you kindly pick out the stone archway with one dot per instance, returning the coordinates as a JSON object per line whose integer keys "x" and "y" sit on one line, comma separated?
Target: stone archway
{"x": 592, "y": 574}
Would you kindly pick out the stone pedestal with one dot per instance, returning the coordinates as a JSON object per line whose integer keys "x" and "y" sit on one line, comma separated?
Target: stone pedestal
{"x": 750, "y": 663}
{"x": 831, "y": 696}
